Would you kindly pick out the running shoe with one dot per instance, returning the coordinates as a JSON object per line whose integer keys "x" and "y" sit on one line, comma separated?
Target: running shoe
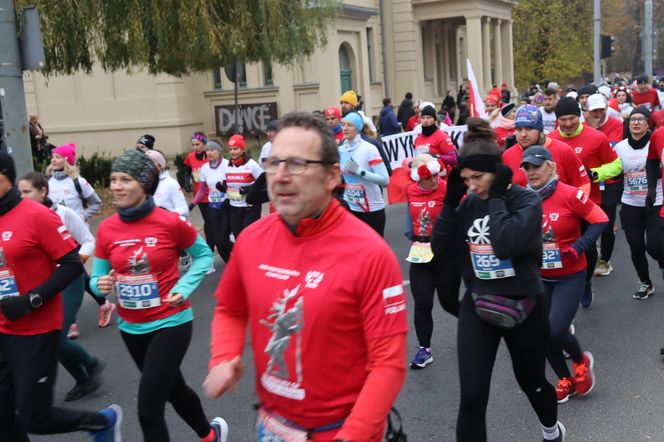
{"x": 603, "y": 268}
{"x": 220, "y": 428}
{"x": 105, "y": 313}
{"x": 211, "y": 270}
{"x": 588, "y": 296}
{"x": 645, "y": 290}
{"x": 72, "y": 333}
{"x": 421, "y": 359}
{"x": 564, "y": 390}
{"x": 561, "y": 434}
{"x": 91, "y": 385}
{"x": 111, "y": 432}
{"x": 584, "y": 376}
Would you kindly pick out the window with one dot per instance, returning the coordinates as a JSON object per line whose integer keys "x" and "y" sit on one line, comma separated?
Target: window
{"x": 345, "y": 69}
{"x": 267, "y": 73}
{"x": 216, "y": 79}
{"x": 370, "y": 53}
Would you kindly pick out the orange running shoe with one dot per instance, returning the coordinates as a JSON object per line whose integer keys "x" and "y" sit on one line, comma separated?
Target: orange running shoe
{"x": 565, "y": 390}
{"x": 105, "y": 313}
{"x": 584, "y": 377}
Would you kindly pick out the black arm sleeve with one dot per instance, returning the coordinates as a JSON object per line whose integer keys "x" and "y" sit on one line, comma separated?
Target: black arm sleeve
{"x": 514, "y": 231}
{"x": 653, "y": 172}
{"x": 257, "y": 193}
{"x": 69, "y": 268}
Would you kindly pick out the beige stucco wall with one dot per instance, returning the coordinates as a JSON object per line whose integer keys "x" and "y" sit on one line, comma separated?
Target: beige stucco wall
{"x": 108, "y": 112}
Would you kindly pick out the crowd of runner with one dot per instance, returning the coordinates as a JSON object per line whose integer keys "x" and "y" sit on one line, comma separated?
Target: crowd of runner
{"x": 515, "y": 213}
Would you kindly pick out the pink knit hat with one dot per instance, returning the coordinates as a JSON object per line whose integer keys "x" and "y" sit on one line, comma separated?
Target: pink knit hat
{"x": 68, "y": 152}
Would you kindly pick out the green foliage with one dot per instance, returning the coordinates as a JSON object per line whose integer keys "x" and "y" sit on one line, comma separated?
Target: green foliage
{"x": 552, "y": 40}
{"x": 96, "y": 169}
{"x": 179, "y": 167}
{"x": 179, "y": 36}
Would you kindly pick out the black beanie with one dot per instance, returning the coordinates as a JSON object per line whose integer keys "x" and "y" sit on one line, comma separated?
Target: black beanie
{"x": 587, "y": 89}
{"x": 567, "y": 106}
{"x": 146, "y": 140}
{"x": 7, "y": 167}
{"x": 430, "y": 111}
{"x": 641, "y": 110}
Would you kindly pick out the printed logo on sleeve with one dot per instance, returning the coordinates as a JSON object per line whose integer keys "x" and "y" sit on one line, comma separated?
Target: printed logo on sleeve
{"x": 64, "y": 233}
{"x": 394, "y": 299}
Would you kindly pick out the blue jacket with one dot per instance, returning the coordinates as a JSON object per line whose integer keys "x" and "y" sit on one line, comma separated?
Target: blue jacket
{"x": 388, "y": 122}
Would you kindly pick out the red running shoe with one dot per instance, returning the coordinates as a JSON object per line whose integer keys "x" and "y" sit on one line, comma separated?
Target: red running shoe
{"x": 564, "y": 390}
{"x": 584, "y": 377}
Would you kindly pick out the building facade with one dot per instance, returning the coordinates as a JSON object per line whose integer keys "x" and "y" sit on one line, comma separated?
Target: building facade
{"x": 378, "y": 48}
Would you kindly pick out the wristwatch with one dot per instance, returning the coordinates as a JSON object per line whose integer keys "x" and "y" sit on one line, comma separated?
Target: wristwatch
{"x": 36, "y": 300}
{"x": 363, "y": 172}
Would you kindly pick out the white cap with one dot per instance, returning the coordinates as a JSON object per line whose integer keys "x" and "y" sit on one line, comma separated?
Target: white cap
{"x": 605, "y": 90}
{"x": 368, "y": 121}
{"x": 572, "y": 94}
{"x": 596, "y": 101}
{"x": 425, "y": 104}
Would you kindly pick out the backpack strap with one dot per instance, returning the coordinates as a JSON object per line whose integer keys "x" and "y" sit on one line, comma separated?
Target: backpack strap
{"x": 79, "y": 189}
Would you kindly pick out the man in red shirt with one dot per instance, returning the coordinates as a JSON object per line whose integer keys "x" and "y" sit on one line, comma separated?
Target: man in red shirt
{"x": 598, "y": 118}
{"x": 328, "y": 332}
{"x": 333, "y": 119}
{"x": 38, "y": 259}
{"x": 597, "y": 156}
{"x": 644, "y": 95}
{"x": 530, "y": 132}
{"x": 654, "y": 168}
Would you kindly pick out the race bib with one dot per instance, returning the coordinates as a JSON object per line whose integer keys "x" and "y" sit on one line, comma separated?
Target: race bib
{"x": 355, "y": 194}
{"x": 420, "y": 253}
{"x": 551, "y": 256}
{"x": 636, "y": 183}
{"x": 271, "y": 428}
{"x": 233, "y": 194}
{"x": 486, "y": 265}
{"x": 138, "y": 291}
{"x": 8, "y": 285}
{"x": 215, "y": 199}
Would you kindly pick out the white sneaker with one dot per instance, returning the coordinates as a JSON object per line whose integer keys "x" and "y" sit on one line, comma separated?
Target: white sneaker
{"x": 211, "y": 270}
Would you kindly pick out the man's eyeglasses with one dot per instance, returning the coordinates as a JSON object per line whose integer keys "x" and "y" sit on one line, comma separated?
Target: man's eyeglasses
{"x": 637, "y": 120}
{"x": 294, "y": 166}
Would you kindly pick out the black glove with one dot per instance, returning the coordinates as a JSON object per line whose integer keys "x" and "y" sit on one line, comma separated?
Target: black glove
{"x": 221, "y": 187}
{"x": 191, "y": 206}
{"x": 243, "y": 190}
{"x": 510, "y": 141}
{"x": 456, "y": 189}
{"x": 650, "y": 200}
{"x": 13, "y": 307}
{"x": 502, "y": 182}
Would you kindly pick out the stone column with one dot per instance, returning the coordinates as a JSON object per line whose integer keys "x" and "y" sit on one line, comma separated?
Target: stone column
{"x": 474, "y": 47}
{"x": 498, "y": 51}
{"x": 486, "y": 53}
{"x": 508, "y": 60}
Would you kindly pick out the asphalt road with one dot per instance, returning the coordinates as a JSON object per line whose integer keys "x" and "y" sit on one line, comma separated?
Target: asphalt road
{"x": 624, "y": 335}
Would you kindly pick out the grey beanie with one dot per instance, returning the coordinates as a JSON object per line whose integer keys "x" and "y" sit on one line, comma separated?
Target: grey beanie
{"x": 140, "y": 167}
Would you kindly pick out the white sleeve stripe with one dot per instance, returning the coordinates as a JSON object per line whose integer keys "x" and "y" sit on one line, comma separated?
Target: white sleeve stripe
{"x": 392, "y": 291}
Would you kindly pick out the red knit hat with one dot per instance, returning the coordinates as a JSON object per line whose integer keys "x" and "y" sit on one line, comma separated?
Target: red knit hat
{"x": 68, "y": 152}
{"x": 236, "y": 140}
{"x": 333, "y": 111}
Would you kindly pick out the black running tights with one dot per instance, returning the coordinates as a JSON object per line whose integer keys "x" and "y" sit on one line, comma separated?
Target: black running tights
{"x": 477, "y": 347}
{"x": 641, "y": 228}
{"x": 158, "y": 356}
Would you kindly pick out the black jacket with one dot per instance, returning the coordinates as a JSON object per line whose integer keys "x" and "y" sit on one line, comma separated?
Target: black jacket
{"x": 515, "y": 232}
{"x": 404, "y": 112}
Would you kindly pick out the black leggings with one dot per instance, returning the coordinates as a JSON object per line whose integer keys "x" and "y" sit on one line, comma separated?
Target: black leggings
{"x": 220, "y": 229}
{"x": 241, "y": 217}
{"x": 27, "y": 373}
{"x": 425, "y": 279}
{"x": 641, "y": 228}
{"x": 207, "y": 226}
{"x": 610, "y": 199}
{"x": 564, "y": 294}
{"x": 376, "y": 220}
{"x": 158, "y": 356}
{"x": 477, "y": 347}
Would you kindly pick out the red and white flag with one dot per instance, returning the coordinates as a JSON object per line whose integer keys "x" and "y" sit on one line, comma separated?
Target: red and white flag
{"x": 475, "y": 103}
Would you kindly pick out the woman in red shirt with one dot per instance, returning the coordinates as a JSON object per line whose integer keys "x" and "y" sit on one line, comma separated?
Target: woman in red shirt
{"x": 564, "y": 264}
{"x": 425, "y": 200}
{"x": 434, "y": 141}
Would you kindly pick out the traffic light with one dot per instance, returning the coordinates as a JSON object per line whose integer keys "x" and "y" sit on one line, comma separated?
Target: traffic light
{"x": 607, "y": 47}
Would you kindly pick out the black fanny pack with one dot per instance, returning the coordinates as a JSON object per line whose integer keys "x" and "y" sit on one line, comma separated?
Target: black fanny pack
{"x": 503, "y": 311}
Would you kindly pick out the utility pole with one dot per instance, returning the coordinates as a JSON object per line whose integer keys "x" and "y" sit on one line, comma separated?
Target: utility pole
{"x": 12, "y": 93}
{"x": 647, "y": 37}
{"x": 597, "y": 29}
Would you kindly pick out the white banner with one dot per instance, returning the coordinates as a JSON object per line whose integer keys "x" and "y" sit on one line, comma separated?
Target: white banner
{"x": 400, "y": 146}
